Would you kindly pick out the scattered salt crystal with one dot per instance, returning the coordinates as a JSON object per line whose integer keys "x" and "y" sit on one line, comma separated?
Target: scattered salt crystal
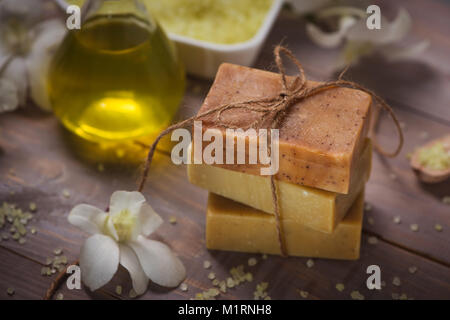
{"x": 32, "y": 206}
{"x": 183, "y": 287}
{"x": 119, "y": 290}
{"x": 412, "y": 269}
{"x": 356, "y": 295}
{"x": 303, "y": 294}
{"x": 230, "y": 283}
{"x": 340, "y": 287}
{"x": 173, "y": 220}
{"x": 10, "y": 291}
{"x": 446, "y": 200}
{"x": 132, "y": 294}
{"x": 252, "y": 262}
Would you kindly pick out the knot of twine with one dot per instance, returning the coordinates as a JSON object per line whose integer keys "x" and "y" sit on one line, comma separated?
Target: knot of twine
{"x": 277, "y": 108}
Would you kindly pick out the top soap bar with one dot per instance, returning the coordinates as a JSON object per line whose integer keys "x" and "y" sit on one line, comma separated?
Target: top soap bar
{"x": 320, "y": 137}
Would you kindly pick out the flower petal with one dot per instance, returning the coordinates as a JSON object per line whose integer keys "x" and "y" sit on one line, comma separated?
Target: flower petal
{"x": 149, "y": 220}
{"x": 124, "y": 200}
{"x": 16, "y": 72}
{"x": 159, "y": 262}
{"x": 330, "y": 39}
{"x": 99, "y": 260}
{"x": 88, "y": 218}
{"x": 49, "y": 36}
{"x": 8, "y": 96}
{"x": 400, "y": 27}
{"x": 26, "y": 12}
{"x": 130, "y": 261}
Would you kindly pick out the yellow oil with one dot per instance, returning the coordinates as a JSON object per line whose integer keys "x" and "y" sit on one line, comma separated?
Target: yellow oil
{"x": 117, "y": 78}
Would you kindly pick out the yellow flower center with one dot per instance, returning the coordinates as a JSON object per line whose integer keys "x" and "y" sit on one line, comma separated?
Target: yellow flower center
{"x": 124, "y": 224}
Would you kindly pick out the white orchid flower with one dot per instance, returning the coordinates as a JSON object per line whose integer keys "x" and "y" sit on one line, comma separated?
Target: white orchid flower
{"x": 359, "y": 40}
{"x": 26, "y": 47}
{"x": 119, "y": 237}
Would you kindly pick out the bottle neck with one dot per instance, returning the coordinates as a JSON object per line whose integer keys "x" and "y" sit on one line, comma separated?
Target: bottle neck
{"x": 114, "y": 7}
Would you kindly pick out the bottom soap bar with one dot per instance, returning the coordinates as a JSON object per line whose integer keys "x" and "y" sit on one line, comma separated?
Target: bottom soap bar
{"x": 232, "y": 226}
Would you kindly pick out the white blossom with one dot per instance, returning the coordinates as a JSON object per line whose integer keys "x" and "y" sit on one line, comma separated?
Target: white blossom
{"x": 120, "y": 237}
{"x": 358, "y": 40}
{"x": 26, "y": 47}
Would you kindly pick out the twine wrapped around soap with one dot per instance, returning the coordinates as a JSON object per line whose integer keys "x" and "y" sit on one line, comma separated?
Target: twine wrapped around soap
{"x": 277, "y": 108}
{"x": 273, "y": 108}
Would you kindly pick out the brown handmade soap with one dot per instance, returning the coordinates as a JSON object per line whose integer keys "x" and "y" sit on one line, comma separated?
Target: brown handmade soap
{"x": 320, "y": 138}
{"x": 232, "y": 226}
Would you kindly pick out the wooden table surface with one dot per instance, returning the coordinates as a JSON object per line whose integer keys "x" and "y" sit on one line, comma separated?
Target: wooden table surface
{"x": 38, "y": 160}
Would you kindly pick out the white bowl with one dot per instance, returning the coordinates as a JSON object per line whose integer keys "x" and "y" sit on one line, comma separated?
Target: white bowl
{"x": 203, "y": 58}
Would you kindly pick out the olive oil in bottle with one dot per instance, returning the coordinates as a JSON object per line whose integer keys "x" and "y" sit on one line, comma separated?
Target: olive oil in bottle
{"x": 118, "y": 77}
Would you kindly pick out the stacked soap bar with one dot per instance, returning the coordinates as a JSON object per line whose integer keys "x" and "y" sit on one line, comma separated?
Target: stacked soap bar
{"x": 325, "y": 160}
{"x": 321, "y": 138}
{"x": 236, "y": 227}
{"x": 317, "y": 209}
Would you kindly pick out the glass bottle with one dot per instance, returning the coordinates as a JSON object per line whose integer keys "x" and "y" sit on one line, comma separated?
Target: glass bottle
{"x": 118, "y": 77}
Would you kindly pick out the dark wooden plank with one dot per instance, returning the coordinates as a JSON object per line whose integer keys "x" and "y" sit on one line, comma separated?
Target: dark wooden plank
{"x": 24, "y": 276}
{"x": 394, "y": 190}
{"x": 43, "y": 176}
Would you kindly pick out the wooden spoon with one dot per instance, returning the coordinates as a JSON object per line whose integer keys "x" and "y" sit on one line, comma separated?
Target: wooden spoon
{"x": 428, "y": 175}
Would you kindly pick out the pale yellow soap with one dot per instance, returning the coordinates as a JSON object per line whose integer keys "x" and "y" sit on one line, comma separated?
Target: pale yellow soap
{"x": 314, "y": 208}
{"x": 232, "y": 226}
